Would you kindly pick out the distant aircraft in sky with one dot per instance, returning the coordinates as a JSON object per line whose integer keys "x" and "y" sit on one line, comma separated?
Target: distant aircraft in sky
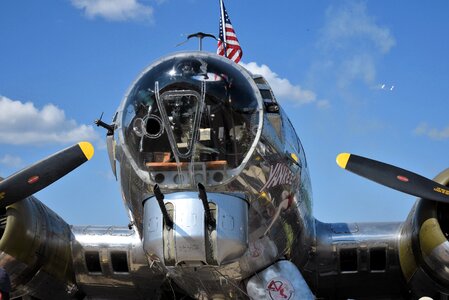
{"x": 384, "y": 87}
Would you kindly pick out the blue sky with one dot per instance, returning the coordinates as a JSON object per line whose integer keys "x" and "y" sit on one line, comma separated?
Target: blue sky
{"x": 366, "y": 77}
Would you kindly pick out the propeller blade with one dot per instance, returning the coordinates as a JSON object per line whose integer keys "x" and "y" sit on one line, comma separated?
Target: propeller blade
{"x": 394, "y": 177}
{"x": 43, "y": 173}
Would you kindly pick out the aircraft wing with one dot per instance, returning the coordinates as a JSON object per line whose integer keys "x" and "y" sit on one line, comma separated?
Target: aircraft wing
{"x": 48, "y": 259}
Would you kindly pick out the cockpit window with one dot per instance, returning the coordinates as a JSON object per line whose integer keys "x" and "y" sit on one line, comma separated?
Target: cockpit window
{"x": 191, "y": 118}
{"x": 181, "y": 110}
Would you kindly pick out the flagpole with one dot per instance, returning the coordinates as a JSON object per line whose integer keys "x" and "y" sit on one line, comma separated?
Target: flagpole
{"x": 223, "y": 27}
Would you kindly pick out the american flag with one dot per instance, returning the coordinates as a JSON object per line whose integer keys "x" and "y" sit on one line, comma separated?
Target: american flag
{"x": 228, "y": 44}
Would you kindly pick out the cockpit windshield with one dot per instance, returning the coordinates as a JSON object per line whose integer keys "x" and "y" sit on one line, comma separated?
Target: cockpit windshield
{"x": 193, "y": 112}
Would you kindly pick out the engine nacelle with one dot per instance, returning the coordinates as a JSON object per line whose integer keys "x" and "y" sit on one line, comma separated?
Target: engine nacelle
{"x": 35, "y": 250}
{"x": 424, "y": 247}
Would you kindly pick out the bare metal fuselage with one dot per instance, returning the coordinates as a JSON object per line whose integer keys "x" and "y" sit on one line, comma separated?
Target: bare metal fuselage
{"x": 262, "y": 207}
{"x": 216, "y": 184}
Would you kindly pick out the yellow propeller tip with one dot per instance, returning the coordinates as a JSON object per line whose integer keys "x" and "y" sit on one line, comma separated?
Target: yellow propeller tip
{"x": 342, "y": 160}
{"x": 294, "y": 157}
{"x": 87, "y": 149}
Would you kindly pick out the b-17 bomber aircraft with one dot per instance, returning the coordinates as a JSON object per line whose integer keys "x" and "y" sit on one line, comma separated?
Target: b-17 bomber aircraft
{"x": 216, "y": 183}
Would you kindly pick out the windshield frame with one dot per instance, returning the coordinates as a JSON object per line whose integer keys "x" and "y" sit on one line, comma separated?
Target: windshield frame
{"x": 144, "y": 175}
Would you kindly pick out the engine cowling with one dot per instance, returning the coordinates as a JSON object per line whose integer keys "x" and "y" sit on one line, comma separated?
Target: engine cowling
{"x": 424, "y": 246}
{"x": 35, "y": 250}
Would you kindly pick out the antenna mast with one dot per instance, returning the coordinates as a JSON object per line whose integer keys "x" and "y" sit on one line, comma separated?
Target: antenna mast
{"x": 200, "y": 36}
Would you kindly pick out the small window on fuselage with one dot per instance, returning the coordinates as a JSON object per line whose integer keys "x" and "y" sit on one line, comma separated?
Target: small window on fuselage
{"x": 348, "y": 260}
{"x": 378, "y": 259}
{"x": 119, "y": 262}
{"x": 92, "y": 259}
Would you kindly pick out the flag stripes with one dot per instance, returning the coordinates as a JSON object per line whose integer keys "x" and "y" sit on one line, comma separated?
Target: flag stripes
{"x": 228, "y": 44}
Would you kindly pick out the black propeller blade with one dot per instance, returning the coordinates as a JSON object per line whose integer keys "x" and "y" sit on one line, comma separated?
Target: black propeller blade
{"x": 394, "y": 177}
{"x": 38, "y": 176}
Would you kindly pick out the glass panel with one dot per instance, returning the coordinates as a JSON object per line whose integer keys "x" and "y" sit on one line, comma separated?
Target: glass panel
{"x": 190, "y": 119}
{"x": 180, "y": 111}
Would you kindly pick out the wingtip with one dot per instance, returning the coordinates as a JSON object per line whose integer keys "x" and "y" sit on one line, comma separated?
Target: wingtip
{"x": 342, "y": 160}
{"x": 87, "y": 149}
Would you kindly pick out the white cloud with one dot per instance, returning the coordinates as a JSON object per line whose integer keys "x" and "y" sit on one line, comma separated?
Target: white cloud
{"x": 23, "y": 123}
{"x": 350, "y": 21}
{"x": 115, "y": 10}
{"x": 11, "y": 161}
{"x": 283, "y": 89}
{"x": 323, "y": 104}
{"x": 353, "y": 42}
{"x": 360, "y": 67}
{"x": 433, "y": 133}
